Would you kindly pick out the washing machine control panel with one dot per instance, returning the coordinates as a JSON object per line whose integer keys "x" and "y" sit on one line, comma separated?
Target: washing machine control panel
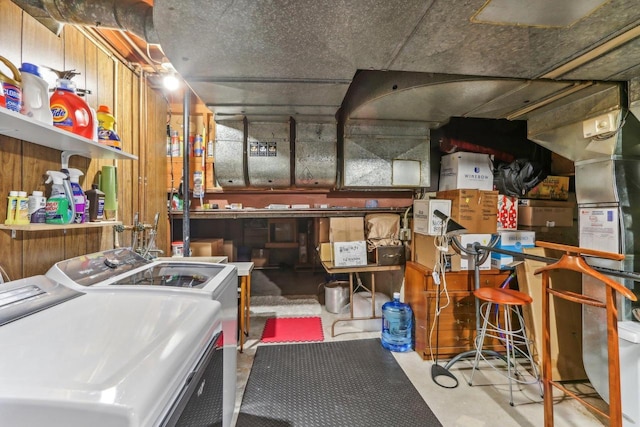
{"x": 87, "y": 270}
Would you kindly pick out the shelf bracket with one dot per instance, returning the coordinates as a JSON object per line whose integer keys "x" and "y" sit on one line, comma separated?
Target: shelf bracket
{"x": 13, "y": 234}
{"x": 65, "y": 156}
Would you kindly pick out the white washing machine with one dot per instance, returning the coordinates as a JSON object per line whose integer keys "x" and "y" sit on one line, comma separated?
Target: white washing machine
{"x": 123, "y": 270}
{"x": 108, "y": 359}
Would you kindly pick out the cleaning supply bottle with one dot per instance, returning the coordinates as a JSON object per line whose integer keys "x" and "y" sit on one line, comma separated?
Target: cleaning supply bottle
{"x": 106, "y": 128}
{"x": 12, "y": 201}
{"x": 69, "y": 111}
{"x": 397, "y": 325}
{"x": 10, "y": 87}
{"x": 35, "y": 94}
{"x": 95, "y": 200}
{"x": 22, "y": 208}
{"x": 60, "y": 206}
{"x": 37, "y": 206}
{"x": 79, "y": 198}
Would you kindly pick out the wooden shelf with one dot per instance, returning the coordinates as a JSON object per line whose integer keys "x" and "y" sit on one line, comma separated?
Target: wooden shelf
{"x": 51, "y": 227}
{"x": 16, "y": 125}
{"x": 281, "y": 245}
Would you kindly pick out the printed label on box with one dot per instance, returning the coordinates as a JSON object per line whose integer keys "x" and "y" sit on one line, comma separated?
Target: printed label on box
{"x": 424, "y": 220}
{"x": 350, "y": 254}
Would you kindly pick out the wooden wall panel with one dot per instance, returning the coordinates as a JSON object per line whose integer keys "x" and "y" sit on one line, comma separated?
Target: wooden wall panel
{"x": 40, "y": 46}
{"x": 11, "y": 257}
{"x": 111, "y": 83}
{"x": 10, "y": 32}
{"x": 155, "y": 165}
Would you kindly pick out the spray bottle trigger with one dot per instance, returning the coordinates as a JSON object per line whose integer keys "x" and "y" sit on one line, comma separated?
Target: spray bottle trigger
{"x": 436, "y": 278}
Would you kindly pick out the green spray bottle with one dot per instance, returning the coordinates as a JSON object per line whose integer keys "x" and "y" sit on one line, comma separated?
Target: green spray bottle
{"x": 60, "y": 207}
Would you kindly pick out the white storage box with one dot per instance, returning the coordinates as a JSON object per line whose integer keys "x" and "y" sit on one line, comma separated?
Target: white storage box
{"x": 424, "y": 221}
{"x": 511, "y": 241}
{"x": 350, "y": 254}
{"x": 466, "y": 261}
{"x": 466, "y": 170}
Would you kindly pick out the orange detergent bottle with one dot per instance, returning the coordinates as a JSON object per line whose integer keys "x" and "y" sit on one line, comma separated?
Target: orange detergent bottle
{"x": 70, "y": 112}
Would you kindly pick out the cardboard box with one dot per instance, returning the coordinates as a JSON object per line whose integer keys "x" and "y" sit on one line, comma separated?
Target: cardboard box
{"x": 326, "y": 252}
{"x": 545, "y": 216}
{"x": 350, "y": 254}
{"x": 425, "y": 253}
{"x": 206, "y": 247}
{"x": 424, "y": 221}
{"x": 553, "y": 187}
{"x": 475, "y": 210}
{"x": 321, "y": 230}
{"x": 348, "y": 229}
{"x": 507, "y": 212}
{"x": 565, "y": 317}
{"x": 546, "y": 203}
{"x": 511, "y": 241}
{"x": 229, "y": 250}
{"x": 260, "y": 257}
{"x": 466, "y": 170}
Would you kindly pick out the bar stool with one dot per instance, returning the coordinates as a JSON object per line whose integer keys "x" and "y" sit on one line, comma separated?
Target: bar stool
{"x": 507, "y": 302}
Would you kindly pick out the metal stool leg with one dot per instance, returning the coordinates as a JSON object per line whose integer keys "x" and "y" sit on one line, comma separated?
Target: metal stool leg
{"x": 480, "y": 339}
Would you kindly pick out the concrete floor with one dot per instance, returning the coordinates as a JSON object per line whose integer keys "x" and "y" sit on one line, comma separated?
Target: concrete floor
{"x": 484, "y": 404}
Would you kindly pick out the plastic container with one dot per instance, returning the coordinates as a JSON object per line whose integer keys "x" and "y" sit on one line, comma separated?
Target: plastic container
{"x": 106, "y": 128}
{"x": 177, "y": 249}
{"x": 60, "y": 207}
{"x": 37, "y": 205}
{"x": 69, "y": 111}
{"x": 12, "y": 200}
{"x": 35, "y": 94}
{"x": 397, "y": 325}
{"x": 22, "y": 208}
{"x": 336, "y": 296}
{"x": 95, "y": 200}
{"x": 79, "y": 198}
{"x": 10, "y": 87}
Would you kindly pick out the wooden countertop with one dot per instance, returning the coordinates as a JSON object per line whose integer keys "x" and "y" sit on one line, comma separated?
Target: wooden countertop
{"x": 285, "y": 213}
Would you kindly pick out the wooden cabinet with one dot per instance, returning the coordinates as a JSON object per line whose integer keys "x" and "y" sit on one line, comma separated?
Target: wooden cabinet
{"x": 457, "y": 320}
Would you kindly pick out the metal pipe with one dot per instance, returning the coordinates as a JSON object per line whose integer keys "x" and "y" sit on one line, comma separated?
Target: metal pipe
{"x": 134, "y": 16}
{"x": 185, "y": 173}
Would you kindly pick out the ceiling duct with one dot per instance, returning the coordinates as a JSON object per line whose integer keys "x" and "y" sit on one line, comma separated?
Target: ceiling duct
{"x": 230, "y": 153}
{"x": 386, "y": 154}
{"x": 134, "y": 16}
{"x": 316, "y": 154}
{"x": 269, "y": 154}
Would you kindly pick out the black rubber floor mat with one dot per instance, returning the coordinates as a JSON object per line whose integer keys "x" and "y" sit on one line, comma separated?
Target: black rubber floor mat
{"x": 333, "y": 384}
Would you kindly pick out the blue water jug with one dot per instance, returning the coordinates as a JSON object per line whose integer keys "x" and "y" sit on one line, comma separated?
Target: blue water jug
{"x": 397, "y": 325}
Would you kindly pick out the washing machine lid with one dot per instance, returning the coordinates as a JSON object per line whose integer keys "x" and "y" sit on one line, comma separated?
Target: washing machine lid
{"x": 629, "y": 331}
{"x": 103, "y": 359}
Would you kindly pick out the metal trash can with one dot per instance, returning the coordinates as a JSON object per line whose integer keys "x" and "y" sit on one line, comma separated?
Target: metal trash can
{"x": 336, "y": 296}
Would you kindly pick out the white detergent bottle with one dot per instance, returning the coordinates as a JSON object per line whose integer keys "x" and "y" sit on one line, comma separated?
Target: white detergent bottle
{"x": 35, "y": 94}
{"x": 60, "y": 206}
{"x": 79, "y": 198}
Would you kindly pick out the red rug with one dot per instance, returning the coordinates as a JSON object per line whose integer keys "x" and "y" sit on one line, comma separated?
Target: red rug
{"x": 292, "y": 329}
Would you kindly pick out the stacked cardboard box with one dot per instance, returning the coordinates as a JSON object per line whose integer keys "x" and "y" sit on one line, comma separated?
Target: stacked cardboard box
{"x": 475, "y": 210}
{"x": 207, "y": 247}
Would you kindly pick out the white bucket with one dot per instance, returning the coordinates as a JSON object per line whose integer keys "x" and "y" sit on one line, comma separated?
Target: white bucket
{"x": 336, "y": 296}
